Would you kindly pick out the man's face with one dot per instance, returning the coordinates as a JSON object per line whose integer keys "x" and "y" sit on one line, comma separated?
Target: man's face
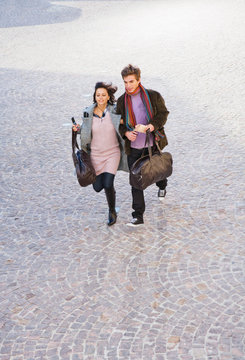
{"x": 131, "y": 83}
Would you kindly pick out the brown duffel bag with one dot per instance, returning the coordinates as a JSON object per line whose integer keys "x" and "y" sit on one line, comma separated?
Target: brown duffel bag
{"x": 150, "y": 168}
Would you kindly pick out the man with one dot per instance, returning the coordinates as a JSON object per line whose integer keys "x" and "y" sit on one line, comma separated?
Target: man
{"x": 146, "y": 107}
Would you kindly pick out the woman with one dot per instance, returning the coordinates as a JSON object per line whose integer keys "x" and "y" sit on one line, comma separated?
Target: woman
{"x": 100, "y": 137}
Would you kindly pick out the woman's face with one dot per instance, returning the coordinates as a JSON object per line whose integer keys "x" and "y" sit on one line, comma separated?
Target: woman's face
{"x": 101, "y": 96}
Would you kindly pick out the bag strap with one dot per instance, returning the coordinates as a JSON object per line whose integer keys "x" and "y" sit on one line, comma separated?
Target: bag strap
{"x": 158, "y": 147}
{"x": 147, "y": 142}
{"x": 74, "y": 141}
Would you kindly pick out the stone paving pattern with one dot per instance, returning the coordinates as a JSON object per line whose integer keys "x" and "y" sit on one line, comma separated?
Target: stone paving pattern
{"x": 72, "y": 288}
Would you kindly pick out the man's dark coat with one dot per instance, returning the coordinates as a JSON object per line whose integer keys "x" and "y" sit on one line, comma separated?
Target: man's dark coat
{"x": 160, "y": 114}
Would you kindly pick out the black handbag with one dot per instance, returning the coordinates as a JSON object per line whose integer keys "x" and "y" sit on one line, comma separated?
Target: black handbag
{"x": 82, "y": 162}
{"x": 150, "y": 168}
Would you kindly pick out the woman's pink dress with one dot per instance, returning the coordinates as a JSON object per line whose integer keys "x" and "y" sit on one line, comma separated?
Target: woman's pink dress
{"x": 105, "y": 151}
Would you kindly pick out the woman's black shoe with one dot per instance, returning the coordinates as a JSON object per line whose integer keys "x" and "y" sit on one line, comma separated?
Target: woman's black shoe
{"x": 112, "y": 218}
{"x": 111, "y": 200}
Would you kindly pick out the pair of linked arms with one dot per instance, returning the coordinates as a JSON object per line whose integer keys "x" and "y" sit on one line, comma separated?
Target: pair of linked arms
{"x": 131, "y": 135}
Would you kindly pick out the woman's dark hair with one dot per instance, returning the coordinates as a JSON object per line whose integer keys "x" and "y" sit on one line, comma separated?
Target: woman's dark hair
{"x": 110, "y": 89}
{"x": 131, "y": 70}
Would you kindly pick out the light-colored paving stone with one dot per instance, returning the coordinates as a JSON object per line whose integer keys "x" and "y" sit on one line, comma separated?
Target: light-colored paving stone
{"x": 72, "y": 288}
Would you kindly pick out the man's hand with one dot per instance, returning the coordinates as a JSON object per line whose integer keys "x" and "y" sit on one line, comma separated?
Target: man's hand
{"x": 150, "y": 127}
{"x": 131, "y": 135}
{"x": 140, "y": 128}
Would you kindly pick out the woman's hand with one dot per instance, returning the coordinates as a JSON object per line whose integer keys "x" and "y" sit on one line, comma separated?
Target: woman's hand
{"x": 76, "y": 127}
{"x": 131, "y": 135}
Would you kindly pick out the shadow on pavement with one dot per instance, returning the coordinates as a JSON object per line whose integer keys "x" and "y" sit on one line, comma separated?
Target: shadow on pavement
{"x": 14, "y": 13}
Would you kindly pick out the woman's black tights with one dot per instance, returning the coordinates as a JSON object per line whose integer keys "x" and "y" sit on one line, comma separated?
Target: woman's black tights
{"x": 103, "y": 181}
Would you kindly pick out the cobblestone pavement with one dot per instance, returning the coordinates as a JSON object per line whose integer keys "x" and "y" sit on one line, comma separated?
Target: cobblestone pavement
{"x": 72, "y": 288}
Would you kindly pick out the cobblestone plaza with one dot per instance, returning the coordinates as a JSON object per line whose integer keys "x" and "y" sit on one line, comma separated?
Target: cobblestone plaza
{"x": 72, "y": 288}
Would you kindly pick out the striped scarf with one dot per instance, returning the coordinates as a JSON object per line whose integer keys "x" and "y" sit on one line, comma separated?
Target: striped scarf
{"x": 130, "y": 117}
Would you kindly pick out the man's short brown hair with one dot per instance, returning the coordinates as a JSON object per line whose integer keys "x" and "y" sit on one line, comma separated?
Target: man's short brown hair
{"x": 131, "y": 70}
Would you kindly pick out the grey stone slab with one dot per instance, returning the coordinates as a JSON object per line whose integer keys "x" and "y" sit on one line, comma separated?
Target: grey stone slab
{"x": 72, "y": 288}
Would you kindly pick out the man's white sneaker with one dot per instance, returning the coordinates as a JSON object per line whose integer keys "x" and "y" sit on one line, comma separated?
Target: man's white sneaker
{"x": 161, "y": 194}
{"x": 136, "y": 222}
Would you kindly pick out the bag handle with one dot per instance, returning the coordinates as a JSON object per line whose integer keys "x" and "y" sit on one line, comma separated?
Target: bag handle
{"x": 147, "y": 142}
{"x": 74, "y": 143}
{"x": 158, "y": 147}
